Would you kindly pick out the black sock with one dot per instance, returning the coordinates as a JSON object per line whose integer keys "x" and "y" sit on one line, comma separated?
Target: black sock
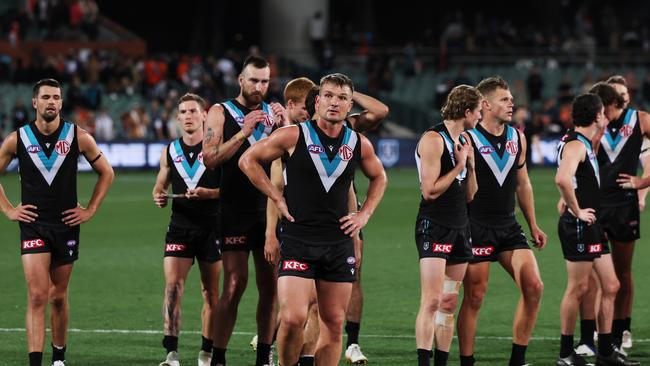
{"x": 566, "y": 345}
{"x": 170, "y": 343}
{"x": 306, "y": 361}
{"x": 263, "y": 353}
{"x": 587, "y": 329}
{"x": 467, "y": 360}
{"x": 518, "y": 355}
{"x": 440, "y": 357}
{"x": 605, "y": 344}
{"x": 35, "y": 358}
{"x": 628, "y": 324}
{"x": 218, "y": 356}
{"x": 58, "y": 354}
{"x": 424, "y": 357}
{"x": 352, "y": 330}
{"x": 206, "y": 344}
{"x": 617, "y": 331}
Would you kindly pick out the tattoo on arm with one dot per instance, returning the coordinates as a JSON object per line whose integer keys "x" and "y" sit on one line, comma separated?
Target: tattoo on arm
{"x": 209, "y": 135}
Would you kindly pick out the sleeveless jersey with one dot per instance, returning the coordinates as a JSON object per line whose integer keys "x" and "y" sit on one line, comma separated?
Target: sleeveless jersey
{"x": 237, "y": 192}
{"x": 619, "y": 153}
{"x": 496, "y": 159}
{"x": 188, "y": 172}
{"x": 317, "y": 180}
{"x": 586, "y": 181}
{"x": 450, "y": 208}
{"x": 48, "y": 170}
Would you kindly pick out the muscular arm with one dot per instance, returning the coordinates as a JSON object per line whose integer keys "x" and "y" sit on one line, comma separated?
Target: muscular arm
{"x": 374, "y": 112}
{"x": 269, "y": 149}
{"x": 19, "y": 213}
{"x": 88, "y": 147}
{"x": 374, "y": 171}
{"x": 572, "y": 155}
{"x": 271, "y": 244}
{"x": 472, "y": 184}
{"x": 524, "y": 192}
{"x": 432, "y": 184}
{"x": 162, "y": 182}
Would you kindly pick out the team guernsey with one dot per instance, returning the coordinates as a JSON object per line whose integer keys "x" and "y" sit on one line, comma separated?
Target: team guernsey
{"x": 243, "y": 207}
{"x": 317, "y": 177}
{"x": 48, "y": 178}
{"x": 619, "y": 153}
{"x": 580, "y": 241}
{"x": 492, "y": 211}
{"x": 442, "y": 228}
{"x": 194, "y": 227}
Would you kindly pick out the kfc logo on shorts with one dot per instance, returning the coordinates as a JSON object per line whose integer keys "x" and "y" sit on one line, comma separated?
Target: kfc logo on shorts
{"x": 235, "y": 240}
{"x": 179, "y": 159}
{"x": 33, "y": 244}
{"x": 315, "y": 149}
{"x": 483, "y": 251}
{"x": 71, "y": 243}
{"x": 351, "y": 260}
{"x": 345, "y": 152}
{"x": 512, "y": 148}
{"x": 626, "y": 131}
{"x": 442, "y": 248}
{"x": 62, "y": 147}
{"x": 595, "y": 248}
{"x": 294, "y": 265}
{"x": 33, "y": 149}
{"x": 486, "y": 150}
{"x": 170, "y": 247}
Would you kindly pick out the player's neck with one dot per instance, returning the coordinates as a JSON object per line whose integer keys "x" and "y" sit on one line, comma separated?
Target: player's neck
{"x": 47, "y": 128}
{"x": 241, "y": 100}
{"x": 455, "y": 128}
{"x": 331, "y": 129}
{"x": 192, "y": 139}
{"x": 589, "y": 132}
{"x": 493, "y": 126}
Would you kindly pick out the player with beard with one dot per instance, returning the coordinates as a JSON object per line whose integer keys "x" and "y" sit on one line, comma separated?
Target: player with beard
{"x": 445, "y": 164}
{"x": 320, "y": 156}
{"x": 232, "y": 127}
{"x": 49, "y": 214}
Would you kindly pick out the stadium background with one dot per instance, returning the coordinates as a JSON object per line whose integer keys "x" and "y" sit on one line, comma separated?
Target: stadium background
{"x": 124, "y": 64}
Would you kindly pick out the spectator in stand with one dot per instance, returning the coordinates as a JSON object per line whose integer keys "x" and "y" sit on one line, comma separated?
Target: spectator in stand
{"x": 535, "y": 85}
{"x": 104, "y": 126}
{"x": 317, "y": 35}
{"x": 19, "y": 115}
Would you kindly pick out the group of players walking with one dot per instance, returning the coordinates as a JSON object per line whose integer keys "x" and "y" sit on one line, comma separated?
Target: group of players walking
{"x": 277, "y": 181}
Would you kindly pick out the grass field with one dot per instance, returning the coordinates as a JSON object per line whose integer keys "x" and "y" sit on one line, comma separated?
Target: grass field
{"x": 116, "y": 288}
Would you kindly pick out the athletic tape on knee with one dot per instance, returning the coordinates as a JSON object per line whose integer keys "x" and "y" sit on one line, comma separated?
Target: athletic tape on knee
{"x": 444, "y": 319}
{"x": 450, "y": 286}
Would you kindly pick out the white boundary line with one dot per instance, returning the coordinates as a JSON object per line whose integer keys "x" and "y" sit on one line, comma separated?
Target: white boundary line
{"x": 389, "y": 336}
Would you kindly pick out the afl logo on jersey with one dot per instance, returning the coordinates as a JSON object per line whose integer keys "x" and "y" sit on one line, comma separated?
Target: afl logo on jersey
{"x": 485, "y": 150}
{"x": 626, "y": 131}
{"x": 315, "y": 149}
{"x": 179, "y": 159}
{"x": 33, "y": 149}
{"x": 345, "y": 152}
{"x": 511, "y": 147}
{"x": 62, "y": 147}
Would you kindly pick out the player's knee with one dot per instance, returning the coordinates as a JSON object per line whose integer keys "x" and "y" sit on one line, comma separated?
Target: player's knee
{"x": 174, "y": 289}
{"x": 58, "y": 300}
{"x": 449, "y": 299}
{"x": 234, "y": 287}
{"x": 430, "y": 306}
{"x": 38, "y": 299}
{"x": 580, "y": 289}
{"x": 533, "y": 290}
{"x": 474, "y": 297}
{"x": 293, "y": 321}
{"x": 610, "y": 288}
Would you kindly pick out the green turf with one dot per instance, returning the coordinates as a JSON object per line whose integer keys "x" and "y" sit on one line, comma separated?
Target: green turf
{"x": 117, "y": 285}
